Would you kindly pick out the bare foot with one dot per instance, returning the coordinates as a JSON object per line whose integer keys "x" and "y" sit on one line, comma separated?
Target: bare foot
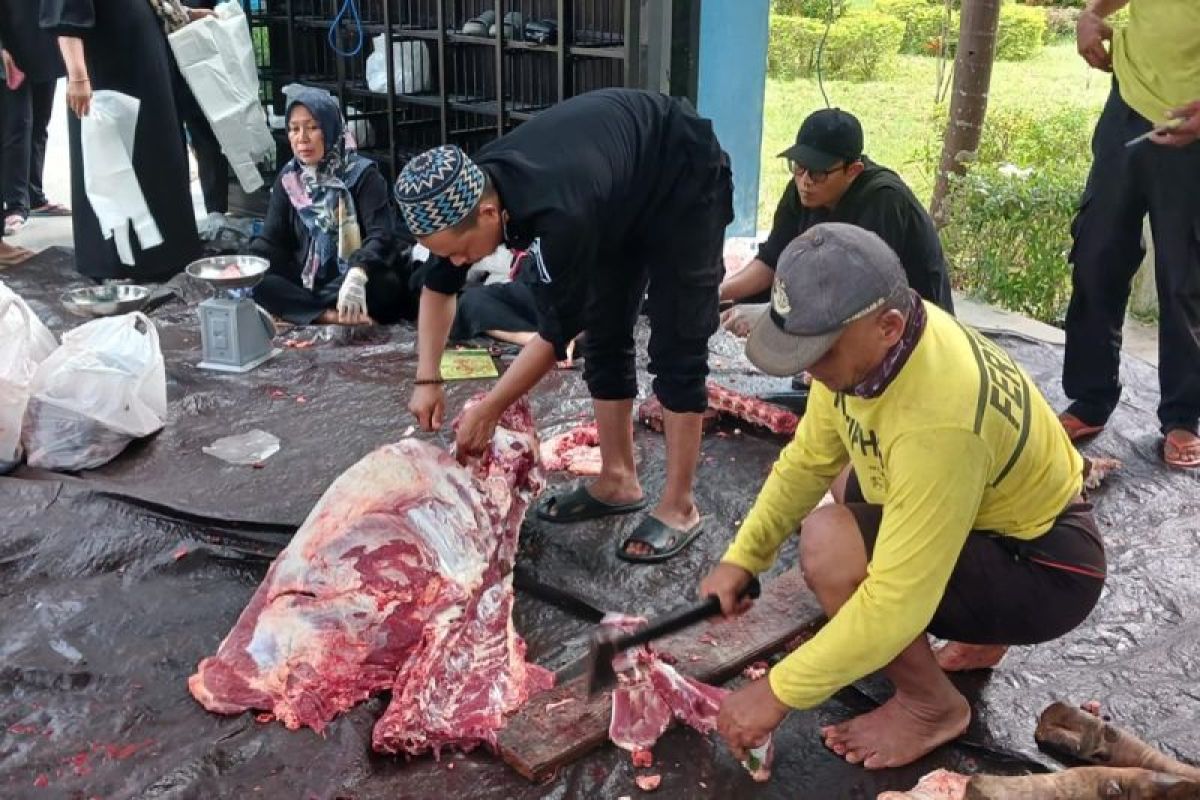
{"x": 680, "y": 522}
{"x": 898, "y": 732}
{"x": 327, "y": 317}
{"x": 1181, "y": 449}
{"x": 959, "y": 657}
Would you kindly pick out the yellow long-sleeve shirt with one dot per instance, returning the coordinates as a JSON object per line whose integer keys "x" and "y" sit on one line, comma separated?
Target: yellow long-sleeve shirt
{"x": 960, "y": 440}
{"x": 1156, "y": 56}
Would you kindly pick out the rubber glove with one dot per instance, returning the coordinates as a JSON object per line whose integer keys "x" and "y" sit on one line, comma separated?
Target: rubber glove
{"x": 352, "y": 299}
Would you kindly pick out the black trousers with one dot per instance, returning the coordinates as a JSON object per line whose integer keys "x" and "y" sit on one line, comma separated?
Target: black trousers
{"x": 387, "y": 297}
{"x": 1009, "y": 591}
{"x": 679, "y": 276}
{"x": 1126, "y": 183}
{"x": 211, "y": 163}
{"x": 23, "y": 135}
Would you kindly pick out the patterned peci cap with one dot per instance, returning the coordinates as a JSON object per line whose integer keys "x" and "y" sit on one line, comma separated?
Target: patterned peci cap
{"x": 438, "y": 189}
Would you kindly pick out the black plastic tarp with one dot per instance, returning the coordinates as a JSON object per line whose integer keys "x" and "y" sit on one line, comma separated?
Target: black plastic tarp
{"x": 114, "y": 583}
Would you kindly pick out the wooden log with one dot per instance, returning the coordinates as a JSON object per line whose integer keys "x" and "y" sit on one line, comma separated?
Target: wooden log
{"x": 561, "y": 725}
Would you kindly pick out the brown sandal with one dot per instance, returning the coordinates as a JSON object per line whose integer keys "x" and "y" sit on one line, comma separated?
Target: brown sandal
{"x": 1077, "y": 429}
{"x": 1181, "y": 456}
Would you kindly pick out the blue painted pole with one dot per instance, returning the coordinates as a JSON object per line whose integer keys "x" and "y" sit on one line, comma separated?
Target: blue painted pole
{"x": 731, "y": 91}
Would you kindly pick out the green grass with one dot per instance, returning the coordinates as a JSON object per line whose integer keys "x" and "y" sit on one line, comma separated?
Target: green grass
{"x": 898, "y": 113}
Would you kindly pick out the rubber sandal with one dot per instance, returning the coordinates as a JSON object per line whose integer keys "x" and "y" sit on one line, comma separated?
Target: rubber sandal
{"x": 50, "y": 210}
{"x": 667, "y": 542}
{"x": 1078, "y": 430}
{"x": 578, "y": 505}
{"x": 13, "y": 223}
{"x": 1173, "y": 454}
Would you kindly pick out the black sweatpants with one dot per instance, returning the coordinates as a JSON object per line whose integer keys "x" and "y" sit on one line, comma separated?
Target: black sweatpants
{"x": 387, "y": 297}
{"x": 1124, "y": 184}
{"x": 1010, "y": 591}
{"x": 679, "y": 275}
{"x": 27, "y": 112}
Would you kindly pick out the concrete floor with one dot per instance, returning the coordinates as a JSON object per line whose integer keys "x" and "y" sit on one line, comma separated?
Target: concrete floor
{"x": 1141, "y": 340}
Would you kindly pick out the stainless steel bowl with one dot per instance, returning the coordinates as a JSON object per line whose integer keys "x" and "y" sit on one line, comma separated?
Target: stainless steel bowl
{"x": 105, "y": 301}
{"x": 229, "y": 272}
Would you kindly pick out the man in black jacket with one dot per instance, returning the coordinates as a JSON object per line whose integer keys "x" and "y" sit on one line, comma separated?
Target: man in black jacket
{"x": 609, "y": 197}
{"x": 834, "y": 182}
{"x": 34, "y": 53}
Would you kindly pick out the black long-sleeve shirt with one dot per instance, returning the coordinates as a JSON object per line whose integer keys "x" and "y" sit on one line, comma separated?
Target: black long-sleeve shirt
{"x": 284, "y": 239}
{"x": 586, "y": 184}
{"x": 879, "y": 201}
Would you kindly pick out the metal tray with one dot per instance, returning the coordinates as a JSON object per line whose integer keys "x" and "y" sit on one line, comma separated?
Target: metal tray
{"x": 251, "y": 270}
{"x": 105, "y": 301}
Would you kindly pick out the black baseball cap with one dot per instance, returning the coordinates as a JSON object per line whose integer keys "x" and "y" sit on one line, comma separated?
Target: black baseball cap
{"x": 825, "y": 138}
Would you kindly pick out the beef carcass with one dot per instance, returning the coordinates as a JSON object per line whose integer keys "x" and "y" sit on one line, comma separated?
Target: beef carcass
{"x": 650, "y": 693}
{"x": 576, "y": 451}
{"x": 722, "y": 400}
{"x": 398, "y": 579}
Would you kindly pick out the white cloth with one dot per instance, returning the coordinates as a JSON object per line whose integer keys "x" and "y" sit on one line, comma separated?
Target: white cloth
{"x": 112, "y": 187}
{"x": 216, "y": 58}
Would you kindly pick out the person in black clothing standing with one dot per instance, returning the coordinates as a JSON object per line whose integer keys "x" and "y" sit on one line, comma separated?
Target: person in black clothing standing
{"x": 211, "y": 163}
{"x": 27, "y": 107}
{"x": 606, "y": 195}
{"x": 834, "y": 182}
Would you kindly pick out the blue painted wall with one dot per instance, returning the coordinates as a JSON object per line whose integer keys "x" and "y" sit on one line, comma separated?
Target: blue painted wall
{"x": 731, "y": 89}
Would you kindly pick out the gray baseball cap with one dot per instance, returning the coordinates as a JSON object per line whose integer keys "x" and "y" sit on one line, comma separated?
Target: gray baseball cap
{"x": 829, "y": 276}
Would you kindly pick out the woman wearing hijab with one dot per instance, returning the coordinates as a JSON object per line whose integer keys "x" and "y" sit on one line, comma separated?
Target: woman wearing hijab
{"x": 329, "y": 232}
{"x": 120, "y": 45}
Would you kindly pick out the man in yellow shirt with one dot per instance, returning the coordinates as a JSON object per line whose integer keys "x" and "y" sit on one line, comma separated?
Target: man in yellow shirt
{"x": 962, "y": 516}
{"x": 1155, "y": 60}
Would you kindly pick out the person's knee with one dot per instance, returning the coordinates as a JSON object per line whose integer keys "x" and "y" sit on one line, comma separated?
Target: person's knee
{"x": 832, "y": 554}
{"x": 613, "y": 378}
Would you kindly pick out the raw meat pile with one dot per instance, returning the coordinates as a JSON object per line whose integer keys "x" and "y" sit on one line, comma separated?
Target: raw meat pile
{"x": 726, "y": 401}
{"x": 399, "y": 579}
{"x": 937, "y": 785}
{"x": 576, "y": 451}
{"x": 650, "y": 693}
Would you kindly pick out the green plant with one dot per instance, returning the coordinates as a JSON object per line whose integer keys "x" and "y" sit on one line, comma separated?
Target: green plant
{"x": 1060, "y": 24}
{"x": 1021, "y": 32}
{"x": 814, "y": 9}
{"x": 1008, "y": 236}
{"x": 924, "y": 25}
{"x": 859, "y": 47}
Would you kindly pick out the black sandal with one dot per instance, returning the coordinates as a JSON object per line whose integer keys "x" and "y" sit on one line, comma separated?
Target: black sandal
{"x": 578, "y": 505}
{"x": 665, "y": 541}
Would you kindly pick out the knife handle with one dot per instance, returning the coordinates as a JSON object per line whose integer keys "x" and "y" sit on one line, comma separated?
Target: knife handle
{"x": 684, "y": 618}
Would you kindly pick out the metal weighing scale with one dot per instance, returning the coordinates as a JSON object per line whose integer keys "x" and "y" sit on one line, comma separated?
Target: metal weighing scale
{"x": 236, "y": 335}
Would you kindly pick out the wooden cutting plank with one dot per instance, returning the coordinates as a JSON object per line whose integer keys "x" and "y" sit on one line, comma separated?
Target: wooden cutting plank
{"x": 548, "y": 733}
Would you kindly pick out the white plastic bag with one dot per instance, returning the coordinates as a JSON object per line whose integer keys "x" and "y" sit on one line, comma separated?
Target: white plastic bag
{"x": 104, "y": 387}
{"x": 24, "y": 343}
{"x": 410, "y": 66}
{"x": 216, "y": 58}
{"x": 112, "y": 187}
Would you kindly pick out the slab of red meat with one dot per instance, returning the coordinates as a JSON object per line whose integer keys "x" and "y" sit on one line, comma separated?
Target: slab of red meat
{"x": 576, "y": 451}
{"x": 722, "y": 400}
{"x": 398, "y": 579}
{"x": 650, "y": 693}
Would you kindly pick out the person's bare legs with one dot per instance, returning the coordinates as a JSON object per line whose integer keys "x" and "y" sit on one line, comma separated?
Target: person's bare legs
{"x": 512, "y": 337}
{"x": 677, "y": 506}
{"x": 961, "y": 657}
{"x": 926, "y": 710}
{"x": 618, "y": 480}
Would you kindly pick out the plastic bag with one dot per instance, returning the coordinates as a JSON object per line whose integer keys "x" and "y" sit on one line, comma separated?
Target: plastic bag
{"x": 107, "y": 136}
{"x": 254, "y": 447}
{"x": 410, "y": 66}
{"x": 24, "y": 343}
{"x": 104, "y": 387}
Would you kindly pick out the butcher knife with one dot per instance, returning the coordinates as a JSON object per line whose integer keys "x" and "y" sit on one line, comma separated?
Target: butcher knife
{"x": 607, "y": 644}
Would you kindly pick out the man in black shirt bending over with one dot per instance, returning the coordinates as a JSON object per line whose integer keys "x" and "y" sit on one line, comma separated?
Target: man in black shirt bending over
{"x": 604, "y": 196}
{"x": 834, "y": 182}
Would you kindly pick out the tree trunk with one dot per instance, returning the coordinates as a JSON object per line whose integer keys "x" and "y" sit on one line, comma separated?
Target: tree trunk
{"x": 968, "y": 99}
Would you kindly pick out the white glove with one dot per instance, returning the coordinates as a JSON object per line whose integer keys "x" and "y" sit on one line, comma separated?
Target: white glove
{"x": 352, "y": 299}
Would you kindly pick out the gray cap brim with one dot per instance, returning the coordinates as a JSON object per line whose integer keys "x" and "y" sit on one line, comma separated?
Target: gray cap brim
{"x": 776, "y": 352}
